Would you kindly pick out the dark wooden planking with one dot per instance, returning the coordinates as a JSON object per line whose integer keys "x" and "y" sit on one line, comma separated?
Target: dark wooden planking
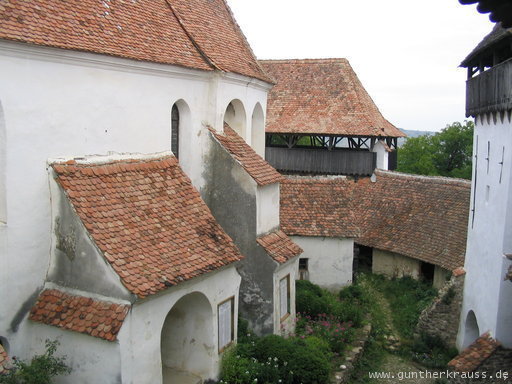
{"x": 315, "y": 161}
{"x": 490, "y": 91}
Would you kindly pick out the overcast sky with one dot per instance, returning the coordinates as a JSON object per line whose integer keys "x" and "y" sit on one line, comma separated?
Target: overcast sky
{"x": 405, "y": 52}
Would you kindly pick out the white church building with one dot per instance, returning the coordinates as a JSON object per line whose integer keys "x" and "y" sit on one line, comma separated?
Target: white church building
{"x": 487, "y": 291}
{"x": 93, "y": 96}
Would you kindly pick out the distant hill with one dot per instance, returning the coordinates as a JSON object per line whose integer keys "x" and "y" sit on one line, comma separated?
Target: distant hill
{"x": 412, "y": 133}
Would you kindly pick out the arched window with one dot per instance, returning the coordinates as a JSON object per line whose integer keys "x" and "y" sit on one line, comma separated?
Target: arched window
{"x": 258, "y": 130}
{"x": 175, "y": 131}
{"x": 235, "y": 117}
{"x": 472, "y": 331}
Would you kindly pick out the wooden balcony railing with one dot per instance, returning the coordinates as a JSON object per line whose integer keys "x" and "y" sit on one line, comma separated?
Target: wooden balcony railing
{"x": 490, "y": 91}
{"x": 321, "y": 161}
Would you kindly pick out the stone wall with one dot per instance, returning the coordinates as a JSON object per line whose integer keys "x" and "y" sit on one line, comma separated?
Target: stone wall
{"x": 441, "y": 318}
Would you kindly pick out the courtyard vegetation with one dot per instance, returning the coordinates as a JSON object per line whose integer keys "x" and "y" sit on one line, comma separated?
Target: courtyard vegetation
{"x": 327, "y": 324}
{"x": 39, "y": 370}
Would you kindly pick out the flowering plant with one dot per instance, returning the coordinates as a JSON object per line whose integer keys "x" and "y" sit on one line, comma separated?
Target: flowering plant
{"x": 328, "y": 327}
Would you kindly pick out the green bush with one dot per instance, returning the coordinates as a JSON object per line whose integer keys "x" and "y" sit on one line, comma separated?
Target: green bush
{"x": 327, "y": 327}
{"x": 40, "y": 370}
{"x": 353, "y": 292}
{"x": 320, "y": 345}
{"x": 277, "y": 360}
{"x": 305, "y": 285}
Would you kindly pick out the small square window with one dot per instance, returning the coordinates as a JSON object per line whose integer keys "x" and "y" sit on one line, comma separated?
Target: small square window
{"x": 284, "y": 297}
{"x": 303, "y": 269}
{"x": 226, "y": 319}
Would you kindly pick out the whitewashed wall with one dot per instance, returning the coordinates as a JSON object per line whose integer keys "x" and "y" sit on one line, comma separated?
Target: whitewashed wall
{"x": 382, "y": 155}
{"x": 330, "y": 260}
{"x": 286, "y": 326}
{"x": 489, "y": 233}
{"x": 60, "y": 103}
{"x": 141, "y": 333}
{"x": 267, "y": 205}
{"x": 394, "y": 265}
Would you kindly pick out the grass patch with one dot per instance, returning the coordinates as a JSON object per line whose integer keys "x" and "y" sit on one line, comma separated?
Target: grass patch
{"x": 407, "y": 299}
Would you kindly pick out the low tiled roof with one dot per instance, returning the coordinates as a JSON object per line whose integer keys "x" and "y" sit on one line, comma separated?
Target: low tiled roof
{"x": 4, "y": 360}
{"x": 417, "y": 216}
{"x": 79, "y": 314}
{"x": 148, "y": 220}
{"x": 261, "y": 171}
{"x": 474, "y": 355}
{"x": 279, "y": 246}
{"x": 317, "y": 207}
{"x": 322, "y": 96}
{"x": 195, "y": 34}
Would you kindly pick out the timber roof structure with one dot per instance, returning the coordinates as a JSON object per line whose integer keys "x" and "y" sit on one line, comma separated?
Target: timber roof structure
{"x": 420, "y": 217}
{"x": 189, "y": 33}
{"x": 499, "y": 36}
{"x": 148, "y": 220}
{"x": 322, "y": 97}
{"x": 261, "y": 171}
{"x": 81, "y": 314}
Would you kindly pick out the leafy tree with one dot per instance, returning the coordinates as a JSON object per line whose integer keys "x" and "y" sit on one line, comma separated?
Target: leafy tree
{"x": 446, "y": 153}
{"x": 40, "y": 370}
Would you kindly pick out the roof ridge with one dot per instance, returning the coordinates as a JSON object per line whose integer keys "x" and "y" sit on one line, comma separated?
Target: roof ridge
{"x": 436, "y": 179}
{"x": 246, "y": 42}
{"x": 115, "y": 166}
{"x": 208, "y": 59}
{"x": 308, "y": 60}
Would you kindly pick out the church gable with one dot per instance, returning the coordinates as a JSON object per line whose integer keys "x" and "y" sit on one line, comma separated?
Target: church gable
{"x": 147, "y": 220}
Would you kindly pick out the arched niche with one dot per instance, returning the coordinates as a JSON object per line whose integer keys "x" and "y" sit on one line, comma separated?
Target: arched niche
{"x": 187, "y": 340}
{"x": 258, "y": 130}
{"x": 235, "y": 117}
{"x": 180, "y": 129}
{"x": 471, "y": 330}
{"x": 3, "y": 170}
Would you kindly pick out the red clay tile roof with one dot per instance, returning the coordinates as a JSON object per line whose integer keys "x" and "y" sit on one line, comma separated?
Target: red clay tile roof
{"x": 417, "y": 216}
{"x": 261, "y": 171}
{"x": 79, "y": 314}
{"x": 322, "y": 96}
{"x": 148, "y": 220}
{"x": 474, "y": 355}
{"x": 4, "y": 360}
{"x": 279, "y": 246}
{"x": 315, "y": 206}
{"x": 194, "y": 34}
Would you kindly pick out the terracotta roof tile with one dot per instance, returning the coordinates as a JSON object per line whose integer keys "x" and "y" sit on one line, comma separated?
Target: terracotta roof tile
{"x": 474, "y": 355}
{"x": 417, "y": 216}
{"x": 318, "y": 207}
{"x": 213, "y": 28}
{"x": 261, "y": 171}
{"x": 195, "y": 34}
{"x": 79, "y": 314}
{"x": 322, "y": 96}
{"x": 279, "y": 246}
{"x": 4, "y": 360}
{"x": 148, "y": 220}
